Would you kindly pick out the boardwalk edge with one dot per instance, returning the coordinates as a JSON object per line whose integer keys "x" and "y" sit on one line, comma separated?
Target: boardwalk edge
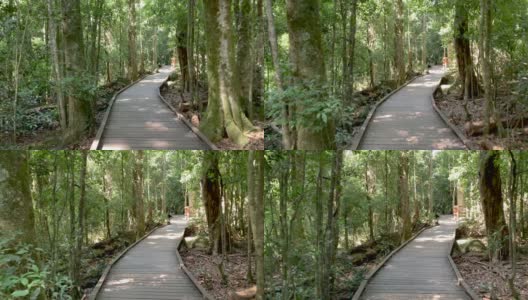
{"x": 96, "y": 144}
{"x": 455, "y": 129}
{"x": 371, "y": 274}
{"x": 359, "y": 136}
{"x": 185, "y": 121}
{"x": 469, "y": 291}
{"x": 102, "y": 279}
{"x": 195, "y": 281}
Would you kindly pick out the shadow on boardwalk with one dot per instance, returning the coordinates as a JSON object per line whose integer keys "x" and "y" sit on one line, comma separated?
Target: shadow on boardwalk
{"x": 420, "y": 270}
{"x": 140, "y": 120}
{"x": 150, "y": 270}
{"x": 407, "y": 120}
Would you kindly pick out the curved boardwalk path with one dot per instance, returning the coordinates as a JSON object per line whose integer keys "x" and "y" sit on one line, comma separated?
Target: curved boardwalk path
{"x": 407, "y": 120}
{"x": 420, "y": 270}
{"x": 151, "y": 270}
{"x": 141, "y": 120}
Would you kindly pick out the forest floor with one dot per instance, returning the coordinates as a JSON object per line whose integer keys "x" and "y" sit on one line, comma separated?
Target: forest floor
{"x": 514, "y": 113}
{"x": 45, "y": 132}
{"x": 484, "y": 277}
{"x": 490, "y": 281}
{"x": 179, "y": 99}
{"x": 205, "y": 267}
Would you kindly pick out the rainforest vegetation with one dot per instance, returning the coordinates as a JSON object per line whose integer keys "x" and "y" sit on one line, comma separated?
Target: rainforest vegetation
{"x": 64, "y": 215}
{"x": 331, "y": 216}
{"x": 330, "y": 61}
{"x": 62, "y": 61}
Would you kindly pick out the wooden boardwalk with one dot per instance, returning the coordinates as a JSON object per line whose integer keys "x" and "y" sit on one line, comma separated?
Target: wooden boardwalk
{"x": 151, "y": 270}
{"x": 139, "y": 119}
{"x": 420, "y": 270}
{"x": 408, "y": 121}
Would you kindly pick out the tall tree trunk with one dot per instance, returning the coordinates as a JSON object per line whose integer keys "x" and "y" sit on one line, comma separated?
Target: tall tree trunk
{"x": 190, "y": 47}
{"x": 211, "y": 189}
{"x": 16, "y": 211}
{"x": 79, "y": 110}
{"x": 466, "y": 74}
{"x": 256, "y": 168}
{"x": 424, "y": 42}
{"x": 138, "y": 193}
{"x": 398, "y": 44}
{"x": 485, "y": 58}
{"x": 80, "y": 219}
{"x": 492, "y": 206}
{"x": 349, "y": 78}
{"x": 244, "y": 55}
{"x": 132, "y": 51}
{"x": 369, "y": 200}
{"x": 288, "y": 134}
{"x": 284, "y": 229}
{"x": 223, "y": 110}
{"x": 308, "y": 68}
{"x": 319, "y": 239}
{"x": 404, "y": 196}
{"x": 257, "y": 111}
{"x": 57, "y": 72}
{"x": 331, "y": 234}
{"x": 512, "y": 195}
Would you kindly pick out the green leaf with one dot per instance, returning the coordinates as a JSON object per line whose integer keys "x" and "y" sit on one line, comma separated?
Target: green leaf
{"x": 20, "y": 293}
{"x": 24, "y": 281}
{"x": 35, "y": 294}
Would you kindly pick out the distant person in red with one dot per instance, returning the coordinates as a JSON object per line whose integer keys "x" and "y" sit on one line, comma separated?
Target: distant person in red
{"x": 445, "y": 62}
{"x": 187, "y": 212}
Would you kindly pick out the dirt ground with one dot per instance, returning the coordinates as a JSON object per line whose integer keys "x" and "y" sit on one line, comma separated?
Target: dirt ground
{"x": 205, "y": 268}
{"x": 485, "y": 279}
{"x": 453, "y": 107}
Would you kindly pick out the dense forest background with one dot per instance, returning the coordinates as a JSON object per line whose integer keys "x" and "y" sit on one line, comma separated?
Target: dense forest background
{"x": 65, "y": 214}
{"x": 321, "y": 88}
{"x": 63, "y": 61}
{"x": 331, "y": 216}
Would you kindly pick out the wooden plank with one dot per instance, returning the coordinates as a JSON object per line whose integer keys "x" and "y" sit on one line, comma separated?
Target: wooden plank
{"x": 420, "y": 270}
{"x": 140, "y": 107}
{"x": 150, "y": 270}
{"x": 409, "y": 110}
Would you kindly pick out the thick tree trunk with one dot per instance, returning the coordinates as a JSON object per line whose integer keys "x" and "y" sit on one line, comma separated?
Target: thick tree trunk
{"x": 492, "y": 203}
{"x": 466, "y": 73}
{"x": 16, "y": 207}
{"x": 132, "y": 51}
{"x": 398, "y": 44}
{"x": 211, "y": 192}
{"x": 137, "y": 190}
{"x": 223, "y": 110}
{"x": 308, "y": 68}
{"x": 79, "y": 110}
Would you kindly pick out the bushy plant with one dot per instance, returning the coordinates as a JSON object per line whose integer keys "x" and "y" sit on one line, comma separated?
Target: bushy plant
{"x": 25, "y": 273}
